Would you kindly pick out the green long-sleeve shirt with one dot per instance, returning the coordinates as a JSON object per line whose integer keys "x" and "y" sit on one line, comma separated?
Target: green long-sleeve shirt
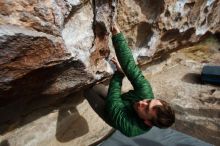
{"x": 119, "y": 107}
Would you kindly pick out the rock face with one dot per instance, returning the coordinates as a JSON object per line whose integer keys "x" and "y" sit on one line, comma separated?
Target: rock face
{"x": 52, "y": 48}
{"x": 156, "y": 27}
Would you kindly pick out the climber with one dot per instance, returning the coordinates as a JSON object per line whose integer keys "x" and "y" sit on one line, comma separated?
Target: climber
{"x": 135, "y": 112}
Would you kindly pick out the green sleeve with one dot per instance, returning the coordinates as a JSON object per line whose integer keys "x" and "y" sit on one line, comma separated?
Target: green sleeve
{"x": 124, "y": 123}
{"x": 117, "y": 112}
{"x": 114, "y": 94}
{"x": 124, "y": 55}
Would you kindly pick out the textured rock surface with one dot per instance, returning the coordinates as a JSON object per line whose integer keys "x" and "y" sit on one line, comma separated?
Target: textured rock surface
{"x": 156, "y": 27}
{"x": 51, "y": 48}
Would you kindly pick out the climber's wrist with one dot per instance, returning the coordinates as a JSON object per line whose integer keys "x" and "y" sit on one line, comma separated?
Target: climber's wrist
{"x": 115, "y": 29}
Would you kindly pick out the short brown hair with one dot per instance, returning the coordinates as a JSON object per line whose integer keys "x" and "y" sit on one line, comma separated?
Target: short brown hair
{"x": 165, "y": 115}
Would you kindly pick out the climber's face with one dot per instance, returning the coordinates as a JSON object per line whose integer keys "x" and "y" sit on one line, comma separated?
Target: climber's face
{"x": 145, "y": 109}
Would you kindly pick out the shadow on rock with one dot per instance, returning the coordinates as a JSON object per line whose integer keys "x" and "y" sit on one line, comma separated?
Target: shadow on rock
{"x": 192, "y": 78}
{"x": 26, "y": 99}
{"x": 151, "y": 8}
{"x": 201, "y": 132}
{"x": 70, "y": 124}
{"x": 4, "y": 143}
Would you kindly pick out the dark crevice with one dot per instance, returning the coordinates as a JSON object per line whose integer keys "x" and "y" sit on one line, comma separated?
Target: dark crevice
{"x": 144, "y": 34}
{"x": 187, "y": 34}
{"x": 170, "y": 34}
{"x": 174, "y": 35}
{"x": 205, "y": 36}
{"x": 167, "y": 13}
{"x": 189, "y": 5}
{"x": 217, "y": 35}
{"x": 192, "y": 78}
{"x": 100, "y": 30}
{"x": 178, "y": 17}
{"x": 206, "y": 10}
{"x": 99, "y": 3}
{"x": 151, "y": 8}
{"x": 186, "y": 24}
{"x": 4, "y": 143}
{"x": 203, "y": 22}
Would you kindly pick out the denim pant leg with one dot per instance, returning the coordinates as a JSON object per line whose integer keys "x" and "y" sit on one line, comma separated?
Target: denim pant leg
{"x": 101, "y": 90}
{"x": 96, "y": 98}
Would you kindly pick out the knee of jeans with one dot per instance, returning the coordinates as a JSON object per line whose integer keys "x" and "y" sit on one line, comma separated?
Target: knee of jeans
{"x": 87, "y": 92}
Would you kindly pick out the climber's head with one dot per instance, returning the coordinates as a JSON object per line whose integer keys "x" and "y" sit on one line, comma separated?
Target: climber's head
{"x": 155, "y": 112}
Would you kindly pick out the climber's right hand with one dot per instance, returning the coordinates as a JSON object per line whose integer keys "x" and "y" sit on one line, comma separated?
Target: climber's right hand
{"x": 114, "y": 29}
{"x": 113, "y": 60}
